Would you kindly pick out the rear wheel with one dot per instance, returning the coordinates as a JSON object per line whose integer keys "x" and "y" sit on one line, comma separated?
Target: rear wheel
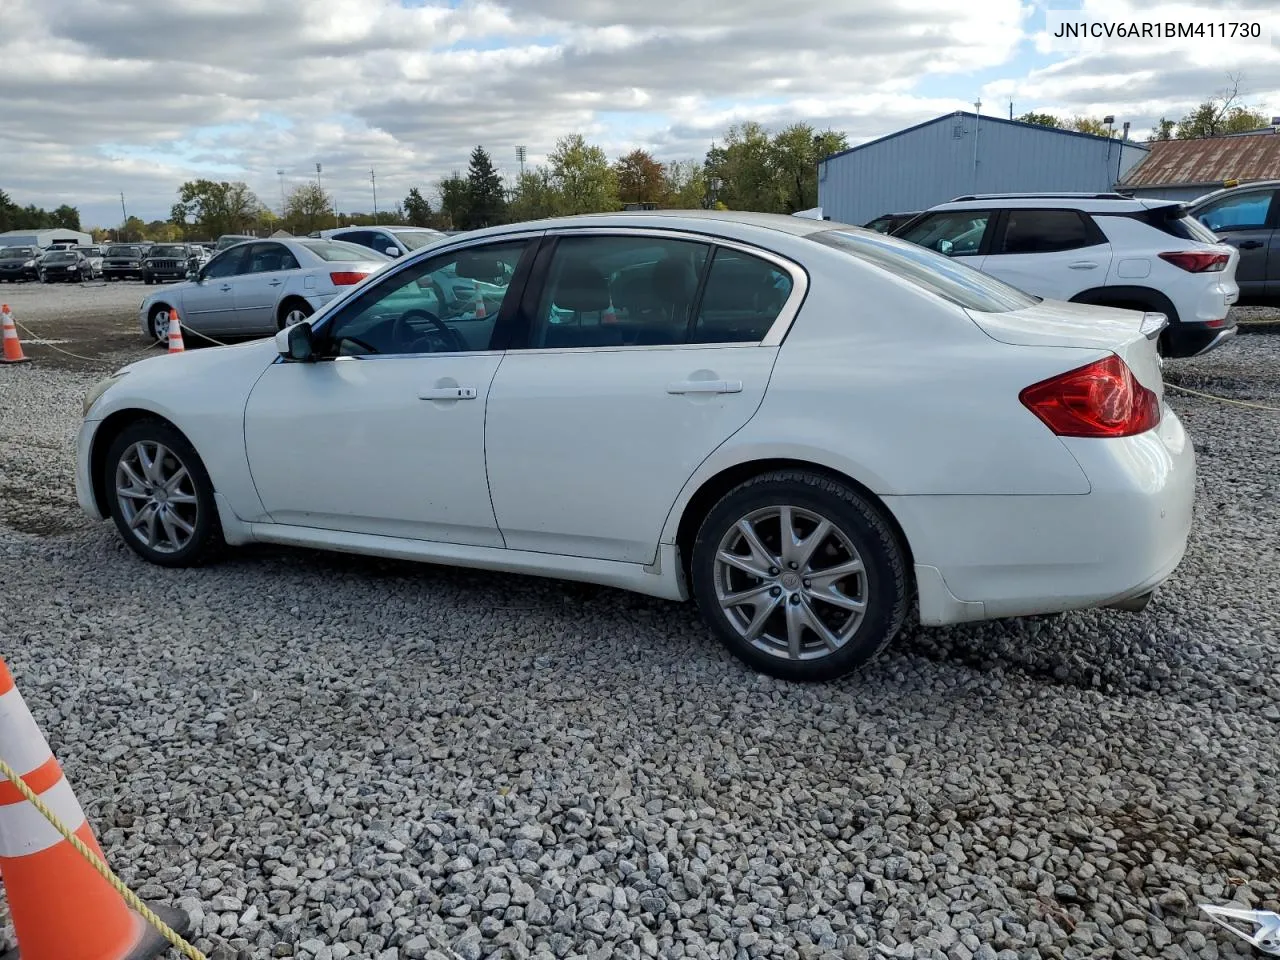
{"x": 800, "y": 576}
{"x": 293, "y": 311}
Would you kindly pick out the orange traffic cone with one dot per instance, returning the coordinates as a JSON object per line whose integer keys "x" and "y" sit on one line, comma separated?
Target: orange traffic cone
{"x": 61, "y": 907}
{"x": 175, "y": 332}
{"x": 12, "y": 345}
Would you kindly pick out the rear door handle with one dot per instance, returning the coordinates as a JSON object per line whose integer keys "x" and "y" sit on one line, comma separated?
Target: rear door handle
{"x": 1251, "y": 244}
{"x": 1083, "y": 265}
{"x": 226, "y": 288}
{"x": 705, "y": 386}
{"x": 276, "y": 283}
{"x": 448, "y": 393}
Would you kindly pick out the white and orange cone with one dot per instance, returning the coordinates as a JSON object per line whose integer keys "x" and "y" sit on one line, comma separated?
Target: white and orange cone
{"x": 175, "y": 332}
{"x": 12, "y": 345}
{"x": 61, "y": 907}
{"x": 480, "y": 309}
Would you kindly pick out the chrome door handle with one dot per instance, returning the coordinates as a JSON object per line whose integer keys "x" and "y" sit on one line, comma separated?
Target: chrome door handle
{"x": 275, "y": 283}
{"x": 448, "y": 393}
{"x": 1082, "y": 265}
{"x": 705, "y": 386}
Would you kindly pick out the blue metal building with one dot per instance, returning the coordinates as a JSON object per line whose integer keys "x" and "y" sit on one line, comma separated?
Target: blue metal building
{"x": 962, "y": 153}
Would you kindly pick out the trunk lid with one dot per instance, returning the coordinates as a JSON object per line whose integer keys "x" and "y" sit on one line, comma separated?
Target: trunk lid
{"x": 1130, "y": 334}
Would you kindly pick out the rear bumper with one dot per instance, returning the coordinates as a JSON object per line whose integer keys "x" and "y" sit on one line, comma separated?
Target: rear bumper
{"x": 1194, "y": 339}
{"x": 985, "y": 557}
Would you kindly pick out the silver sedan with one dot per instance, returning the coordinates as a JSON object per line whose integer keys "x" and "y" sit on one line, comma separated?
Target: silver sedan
{"x": 259, "y": 287}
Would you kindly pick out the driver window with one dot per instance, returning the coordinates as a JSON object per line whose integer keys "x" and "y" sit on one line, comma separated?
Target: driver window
{"x": 229, "y": 263}
{"x": 447, "y": 304}
{"x": 957, "y": 233}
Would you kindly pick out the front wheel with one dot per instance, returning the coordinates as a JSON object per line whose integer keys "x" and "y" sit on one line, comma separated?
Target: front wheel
{"x": 160, "y": 324}
{"x": 161, "y": 495}
{"x": 801, "y": 577}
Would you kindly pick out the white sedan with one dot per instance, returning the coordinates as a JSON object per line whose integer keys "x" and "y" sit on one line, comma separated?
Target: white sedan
{"x": 258, "y": 287}
{"x": 810, "y": 428}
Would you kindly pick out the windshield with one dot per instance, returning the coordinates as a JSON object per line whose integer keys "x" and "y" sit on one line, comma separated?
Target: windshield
{"x": 340, "y": 250}
{"x": 416, "y": 239}
{"x": 14, "y": 253}
{"x": 123, "y": 251}
{"x": 939, "y": 274}
{"x": 60, "y": 256}
{"x": 224, "y": 242}
{"x": 167, "y": 251}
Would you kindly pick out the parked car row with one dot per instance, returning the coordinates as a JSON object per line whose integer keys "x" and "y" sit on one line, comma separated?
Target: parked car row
{"x": 149, "y": 262}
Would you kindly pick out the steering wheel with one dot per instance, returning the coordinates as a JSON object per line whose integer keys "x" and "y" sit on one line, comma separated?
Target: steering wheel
{"x": 403, "y": 332}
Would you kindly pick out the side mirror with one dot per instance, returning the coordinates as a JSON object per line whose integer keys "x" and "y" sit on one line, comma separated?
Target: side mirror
{"x": 296, "y": 342}
{"x": 392, "y": 251}
{"x": 193, "y": 273}
{"x": 945, "y": 247}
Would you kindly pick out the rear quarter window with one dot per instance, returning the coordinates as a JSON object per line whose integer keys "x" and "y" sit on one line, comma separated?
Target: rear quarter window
{"x": 938, "y": 274}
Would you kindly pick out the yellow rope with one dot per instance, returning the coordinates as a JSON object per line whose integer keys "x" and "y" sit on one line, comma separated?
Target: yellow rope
{"x": 1210, "y": 396}
{"x": 186, "y": 949}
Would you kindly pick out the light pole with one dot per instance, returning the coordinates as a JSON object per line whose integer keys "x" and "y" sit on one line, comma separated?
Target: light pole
{"x": 280, "y": 174}
{"x": 521, "y": 153}
{"x": 373, "y": 179}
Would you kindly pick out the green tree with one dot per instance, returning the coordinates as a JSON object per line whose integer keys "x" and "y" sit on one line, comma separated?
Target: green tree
{"x": 454, "y": 199}
{"x": 67, "y": 217}
{"x": 686, "y": 184}
{"x": 416, "y": 208}
{"x": 307, "y": 209}
{"x": 1041, "y": 119}
{"x": 536, "y": 196}
{"x": 1163, "y": 130}
{"x": 1221, "y": 114}
{"x": 1089, "y": 125}
{"x": 486, "y": 202}
{"x": 133, "y": 230}
{"x": 744, "y": 163}
{"x": 582, "y": 176}
{"x": 796, "y": 152}
{"x": 7, "y": 210}
{"x": 218, "y": 207}
{"x": 640, "y": 178}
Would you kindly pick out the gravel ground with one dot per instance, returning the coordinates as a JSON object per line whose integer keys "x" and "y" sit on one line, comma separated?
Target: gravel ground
{"x": 327, "y": 756}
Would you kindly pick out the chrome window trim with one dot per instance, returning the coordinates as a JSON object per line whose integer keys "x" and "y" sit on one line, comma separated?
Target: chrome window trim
{"x": 777, "y": 331}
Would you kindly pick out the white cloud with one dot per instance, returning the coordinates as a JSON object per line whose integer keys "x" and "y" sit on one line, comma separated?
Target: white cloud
{"x": 101, "y": 96}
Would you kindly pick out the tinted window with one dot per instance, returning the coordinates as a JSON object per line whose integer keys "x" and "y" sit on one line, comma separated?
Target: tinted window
{"x": 229, "y": 263}
{"x": 1045, "y": 231}
{"x": 338, "y": 251}
{"x": 123, "y": 251}
{"x": 742, "y": 298}
{"x": 930, "y": 271}
{"x": 363, "y": 237}
{"x": 445, "y": 304}
{"x": 270, "y": 258}
{"x": 1240, "y": 212}
{"x": 414, "y": 239}
{"x": 163, "y": 251}
{"x": 957, "y": 233}
{"x": 618, "y": 291}
{"x": 62, "y": 256}
{"x": 13, "y": 253}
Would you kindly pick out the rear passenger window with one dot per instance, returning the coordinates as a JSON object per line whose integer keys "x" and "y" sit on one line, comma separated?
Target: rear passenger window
{"x": 742, "y": 299}
{"x": 618, "y": 292}
{"x": 1046, "y": 231}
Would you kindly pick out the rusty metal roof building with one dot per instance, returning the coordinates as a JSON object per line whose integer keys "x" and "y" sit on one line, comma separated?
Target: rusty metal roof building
{"x": 1207, "y": 162}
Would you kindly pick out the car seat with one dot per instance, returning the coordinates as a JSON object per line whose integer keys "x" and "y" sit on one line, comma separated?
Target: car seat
{"x": 580, "y": 288}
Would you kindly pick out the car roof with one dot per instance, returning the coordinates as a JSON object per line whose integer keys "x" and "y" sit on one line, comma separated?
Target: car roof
{"x": 1087, "y": 202}
{"x": 1238, "y": 188}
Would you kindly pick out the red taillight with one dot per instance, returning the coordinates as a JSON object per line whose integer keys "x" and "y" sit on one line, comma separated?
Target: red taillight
{"x": 1102, "y": 399}
{"x": 1198, "y": 262}
{"x": 345, "y": 278}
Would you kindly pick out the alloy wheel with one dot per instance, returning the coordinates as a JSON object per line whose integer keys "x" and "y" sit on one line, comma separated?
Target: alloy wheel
{"x": 791, "y": 583}
{"x": 157, "y": 496}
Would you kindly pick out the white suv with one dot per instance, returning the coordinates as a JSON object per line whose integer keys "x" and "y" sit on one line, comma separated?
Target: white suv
{"x": 1099, "y": 248}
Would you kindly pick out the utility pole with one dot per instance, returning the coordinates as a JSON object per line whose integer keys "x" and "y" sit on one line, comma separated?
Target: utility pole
{"x": 283, "y": 203}
{"x": 1010, "y": 109}
{"x": 373, "y": 179}
{"x": 123, "y": 212}
{"x": 521, "y": 153}
{"x": 977, "y": 105}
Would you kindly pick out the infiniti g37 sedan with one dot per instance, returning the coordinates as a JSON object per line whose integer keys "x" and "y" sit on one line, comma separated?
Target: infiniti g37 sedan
{"x": 811, "y": 429}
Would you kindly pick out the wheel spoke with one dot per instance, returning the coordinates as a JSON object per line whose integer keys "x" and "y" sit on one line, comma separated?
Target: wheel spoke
{"x": 828, "y": 577}
{"x": 760, "y": 616}
{"x": 127, "y": 469}
{"x": 759, "y": 552}
{"x": 814, "y": 623}
{"x": 182, "y": 498}
{"x": 754, "y": 596}
{"x": 838, "y": 599}
{"x": 745, "y": 564}
{"x": 795, "y": 630}
{"x": 133, "y": 494}
{"x": 170, "y": 530}
{"x": 806, "y": 548}
{"x": 171, "y": 485}
{"x": 787, "y": 534}
{"x": 140, "y": 517}
{"x": 177, "y": 520}
{"x": 153, "y": 534}
{"x": 148, "y": 462}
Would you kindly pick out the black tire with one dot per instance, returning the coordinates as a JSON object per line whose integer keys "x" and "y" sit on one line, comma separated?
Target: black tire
{"x": 288, "y": 306}
{"x": 207, "y": 535}
{"x": 882, "y": 585}
{"x": 162, "y": 336}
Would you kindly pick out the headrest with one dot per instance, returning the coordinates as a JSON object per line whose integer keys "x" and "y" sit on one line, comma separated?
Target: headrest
{"x": 581, "y": 288}
{"x": 674, "y": 280}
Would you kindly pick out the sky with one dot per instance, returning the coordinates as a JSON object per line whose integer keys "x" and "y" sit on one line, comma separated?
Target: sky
{"x": 104, "y": 97}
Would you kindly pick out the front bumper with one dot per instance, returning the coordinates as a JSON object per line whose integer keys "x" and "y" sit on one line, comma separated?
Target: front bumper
{"x": 986, "y": 557}
{"x": 84, "y": 483}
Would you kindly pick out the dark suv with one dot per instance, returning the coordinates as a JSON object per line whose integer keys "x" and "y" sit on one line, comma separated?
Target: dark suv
{"x": 121, "y": 261}
{"x": 1247, "y": 217}
{"x": 168, "y": 261}
{"x": 19, "y": 263}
